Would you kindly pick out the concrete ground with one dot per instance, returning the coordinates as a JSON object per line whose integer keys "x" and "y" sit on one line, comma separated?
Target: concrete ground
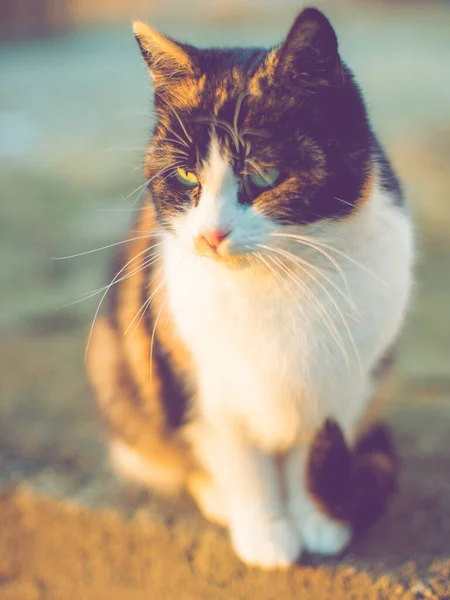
{"x": 74, "y": 118}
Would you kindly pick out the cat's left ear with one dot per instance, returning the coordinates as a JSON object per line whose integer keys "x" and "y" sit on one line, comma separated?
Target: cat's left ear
{"x": 309, "y": 55}
{"x": 166, "y": 59}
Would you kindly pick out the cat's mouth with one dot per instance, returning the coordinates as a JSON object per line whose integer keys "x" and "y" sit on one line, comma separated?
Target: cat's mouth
{"x": 224, "y": 253}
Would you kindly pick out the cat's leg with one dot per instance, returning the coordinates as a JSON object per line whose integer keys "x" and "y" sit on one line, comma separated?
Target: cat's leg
{"x": 261, "y": 530}
{"x": 320, "y": 533}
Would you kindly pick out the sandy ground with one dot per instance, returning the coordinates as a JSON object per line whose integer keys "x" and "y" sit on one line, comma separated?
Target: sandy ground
{"x": 68, "y": 527}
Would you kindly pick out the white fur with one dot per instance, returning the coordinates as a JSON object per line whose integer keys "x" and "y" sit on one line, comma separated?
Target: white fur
{"x": 322, "y": 535}
{"x": 269, "y": 370}
{"x": 218, "y": 186}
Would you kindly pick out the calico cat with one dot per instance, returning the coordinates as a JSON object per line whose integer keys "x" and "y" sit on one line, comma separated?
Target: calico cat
{"x": 254, "y": 310}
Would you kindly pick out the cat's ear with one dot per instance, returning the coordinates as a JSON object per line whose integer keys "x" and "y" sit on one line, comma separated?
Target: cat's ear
{"x": 309, "y": 55}
{"x": 166, "y": 59}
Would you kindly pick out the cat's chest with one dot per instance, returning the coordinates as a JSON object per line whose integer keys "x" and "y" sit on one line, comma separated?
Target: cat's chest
{"x": 254, "y": 349}
{"x": 225, "y": 319}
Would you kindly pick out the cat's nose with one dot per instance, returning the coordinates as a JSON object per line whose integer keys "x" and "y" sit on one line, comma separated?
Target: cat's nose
{"x": 213, "y": 237}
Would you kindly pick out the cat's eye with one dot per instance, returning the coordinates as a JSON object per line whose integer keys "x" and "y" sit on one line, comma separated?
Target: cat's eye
{"x": 264, "y": 178}
{"x": 187, "y": 178}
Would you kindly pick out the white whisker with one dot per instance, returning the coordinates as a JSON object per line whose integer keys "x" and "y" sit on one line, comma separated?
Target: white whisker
{"x": 134, "y": 239}
{"x": 104, "y": 296}
{"x": 88, "y": 295}
{"x": 171, "y": 140}
{"x": 316, "y": 246}
{"x": 145, "y": 305}
{"x": 297, "y": 260}
{"x": 188, "y": 137}
{"x": 320, "y": 308}
{"x": 302, "y": 239}
{"x": 326, "y": 278}
{"x": 136, "y": 190}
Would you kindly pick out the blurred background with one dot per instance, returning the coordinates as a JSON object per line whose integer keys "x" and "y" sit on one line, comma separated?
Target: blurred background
{"x": 75, "y": 115}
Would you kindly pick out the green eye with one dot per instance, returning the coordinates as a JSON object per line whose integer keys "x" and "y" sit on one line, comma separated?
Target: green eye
{"x": 264, "y": 179}
{"x": 187, "y": 178}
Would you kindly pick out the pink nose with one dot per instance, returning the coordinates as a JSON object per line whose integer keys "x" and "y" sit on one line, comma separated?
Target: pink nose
{"x": 214, "y": 237}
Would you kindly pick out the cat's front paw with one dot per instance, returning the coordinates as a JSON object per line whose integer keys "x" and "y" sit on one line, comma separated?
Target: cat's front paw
{"x": 266, "y": 542}
{"x": 323, "y": 535}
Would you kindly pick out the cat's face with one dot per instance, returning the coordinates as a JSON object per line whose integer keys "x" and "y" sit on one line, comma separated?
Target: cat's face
{"x": 249, "y": 141}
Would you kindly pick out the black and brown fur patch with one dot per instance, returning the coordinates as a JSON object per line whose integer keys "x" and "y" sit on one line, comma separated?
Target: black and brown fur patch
{"x": 352, "y": 485}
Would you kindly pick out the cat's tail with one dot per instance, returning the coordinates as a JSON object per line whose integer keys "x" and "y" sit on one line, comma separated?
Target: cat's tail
{"x": 352, "y": 485}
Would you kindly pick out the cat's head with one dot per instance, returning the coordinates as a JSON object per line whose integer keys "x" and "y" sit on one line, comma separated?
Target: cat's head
{"x": 249, "y": 143}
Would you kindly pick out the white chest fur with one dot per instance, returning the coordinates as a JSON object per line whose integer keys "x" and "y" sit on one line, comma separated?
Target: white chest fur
{"x": 278, "y": 357}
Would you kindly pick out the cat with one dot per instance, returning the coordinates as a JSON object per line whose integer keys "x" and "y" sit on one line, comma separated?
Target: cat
{"x": 254, "y": 310}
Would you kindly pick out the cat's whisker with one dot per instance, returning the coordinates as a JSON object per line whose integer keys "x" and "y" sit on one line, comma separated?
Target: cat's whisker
{"x": 253, "y": 260}
{"x": 307, "y": 266}
{"x": 346, "y": 296}
{"x": 172, "y": 172}
{"x": 345, "y": 202}
{"x": 279, "y": 277}
{"x": 320, "y": 273}
{"x": 139, "y": 198}
{"x": 156, "y": 320}
{"x": 169, "y": 150}
{"x": 114, "y": 280}
{"x": 323, "y": 313}
{"x": 127, "y": 241}
{"x": 88, "y": 295}
{"x": 166, "y": 169}
{"x": 179, "y": 138}
{"x": 298, "y": 261}
{"x": 188, "y": 137}
{"x": 172, "y": 141}
{"x": 269, "y": 267}
{"x": 173, "y": 154}
{"x": 142, "y": 186}
{"x": 355, "y": 262}
{"x": 304, "y": 239}
{"x": 143, "y": 265}
{"x": 155, "y": 256}
{"x": 145, "y": 305}
{"x": 334, "y": 262}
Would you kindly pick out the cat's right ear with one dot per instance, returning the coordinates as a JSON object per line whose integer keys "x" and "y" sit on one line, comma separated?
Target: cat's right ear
{"x": 309, "y": 54}
{"x": 166, "y": 59}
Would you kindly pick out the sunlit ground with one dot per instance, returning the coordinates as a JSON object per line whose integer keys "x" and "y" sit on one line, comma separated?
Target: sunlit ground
{"x": 74, "y": 118}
